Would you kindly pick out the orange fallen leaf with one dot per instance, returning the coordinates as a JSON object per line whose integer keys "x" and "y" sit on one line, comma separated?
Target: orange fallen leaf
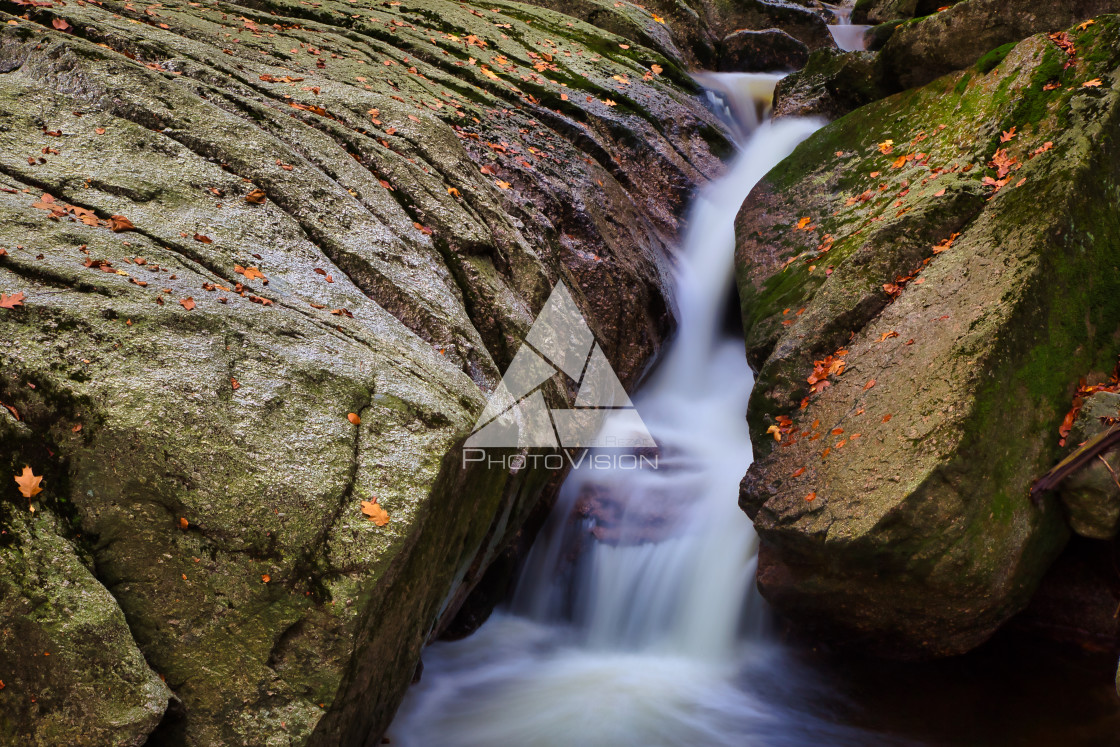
{"x": 376, "y": 514}
{"x": 1007, "y": 136}
{"x": 803, "y": 223}
{"x": 837, "y": 431}
{"x": 811, "y": 497}
{"x": 183, "y": 523}
{"x": 354, "y": 418}
{"x": 250, "y": 273}
{"x": 869, "y": 384}
{"x": 203, "y": 239}
{"x": 887, "y": 418}
{"x": 119, "y": 224}
{"x": 61, "y": 24}
{"x": 1091, "y": 83}
{"x": 235, "y": 384}
{"x": 187, "y": 303}
{"x": 12, "y": 301}
{"x": 29, "y": 483}
{"x": 798, "y": 473}
{"x": 265, "y": 577}
{"x": 257, "y": 197}
{"x": 502, "y": 185}
{"x": 1085, "y": 25}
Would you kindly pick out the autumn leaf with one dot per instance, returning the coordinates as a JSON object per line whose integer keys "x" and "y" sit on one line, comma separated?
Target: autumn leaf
{"x": 376, "y": 514}
{"x": 799, "y": 472}
{"x": 61, "y": 24}
{"x": 203, "y": 239}
{"x": 1091, "y": 83}
{"x": 265, "y": 578}
{"x": 422, "y": 229}
{"x": 803, "y": 224}
{"x": 502, "y": 185}
{"x": 183, "y": 523}
{"x": 250, "y": 273}
{"x": 1085, "y": 25}
{"x": 1007, "y": 136}
{"x": 257, "y": 197}
{"x": 659, "y": 19}
{"x": 869, "y": 384}
{"x": 887, "y": 418}
{"x": 452, "y": 191}
{"x": 656, "y": 69}
{"x": 187, "y": 303}
{"x": 811, "y": 497}
{"x": 119, "y": 224}
{"x": 886, "y": 147}
{"x": 29, "y": 483}
{"x": 354, "y": 418}
{"x": 12, "y": 301}
{"x": 609, "y": 102}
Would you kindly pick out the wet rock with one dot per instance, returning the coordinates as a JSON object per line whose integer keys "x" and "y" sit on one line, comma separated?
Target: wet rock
{"x": 929, "y": 47}
{"x": 761, "y": 51}
{"x": 832, "y": 84}
{"x": 236, "y": 226}
{"x": 899, "y": 275}
{"x": 881, "y": 11}
{"x": 1092, "y": 494}
{"x": 72, "y": 673}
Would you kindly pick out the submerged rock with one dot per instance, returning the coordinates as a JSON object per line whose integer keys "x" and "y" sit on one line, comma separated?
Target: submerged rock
{"x": 922, "y": 283}
{"x": 272, "y": 260}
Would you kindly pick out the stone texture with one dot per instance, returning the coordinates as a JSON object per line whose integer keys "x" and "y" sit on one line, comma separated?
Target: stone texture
{"x": 424, "y": 173}
{"x": 918, "y": 537}
{"x": 1092, "y": 494}
{"x": 762, "y": 51}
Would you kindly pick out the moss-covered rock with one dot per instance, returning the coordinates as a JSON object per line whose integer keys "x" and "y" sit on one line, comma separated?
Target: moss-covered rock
{"x": 830, "y": 85}
{"x": 936, "y": 44}
{"x": 72, "y": 673}
{"x": 1092, "y": 494}
{"x": 947, "y": 255}
{"x": 237, "y": 224}
{"x": 881, "y": 11}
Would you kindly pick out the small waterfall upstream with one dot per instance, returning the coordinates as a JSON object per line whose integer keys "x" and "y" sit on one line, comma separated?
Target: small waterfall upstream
{"x": 635, "y": 620}
{"x": 849, "y": 37}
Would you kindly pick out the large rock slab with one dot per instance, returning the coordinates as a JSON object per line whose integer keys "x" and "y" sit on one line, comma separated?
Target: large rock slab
{"x": 942, "y": 325}
{"x": 235, "y": 226}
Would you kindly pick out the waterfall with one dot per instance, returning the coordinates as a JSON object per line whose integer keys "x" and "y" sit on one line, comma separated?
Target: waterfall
{"x": 848, "y": 36}
{"x": 635, "y": 620}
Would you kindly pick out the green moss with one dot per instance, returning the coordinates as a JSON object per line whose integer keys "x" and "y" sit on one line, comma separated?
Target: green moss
{"x": 986, "y": 63}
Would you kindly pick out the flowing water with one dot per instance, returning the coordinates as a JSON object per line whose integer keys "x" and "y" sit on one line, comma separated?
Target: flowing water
{"x": 848, "y": 36}
{"x": 635, "y": 620}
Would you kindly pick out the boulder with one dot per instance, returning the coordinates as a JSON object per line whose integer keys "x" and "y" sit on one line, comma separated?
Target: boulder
{"x": 270, "y": 261}
{"x": 881, "y": 11}
{"x": 929, "y": 47}
{"x": 904, "y": 276}
{"x": 1092, "y": 494}
{"x": 761, "y": 51}
{"x": 832, "y": 84}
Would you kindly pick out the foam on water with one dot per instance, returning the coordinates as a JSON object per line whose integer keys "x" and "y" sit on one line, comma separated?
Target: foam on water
{"x": 655, "y": 636}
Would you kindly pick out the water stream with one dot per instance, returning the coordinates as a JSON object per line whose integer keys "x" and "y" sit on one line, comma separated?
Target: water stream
{"x": 849, "y": 37}
{"x": 635, "y": 620}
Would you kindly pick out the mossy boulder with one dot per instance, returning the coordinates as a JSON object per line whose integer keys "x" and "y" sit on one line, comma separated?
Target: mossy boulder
{"x": 831, "y": 84}
{"x": 923, "y": 282}
{"x": 1092, "y": 494}
{"x": 274, "y": 256}
{"x": 933, "y": 45}
{"x": 881, "y": 11}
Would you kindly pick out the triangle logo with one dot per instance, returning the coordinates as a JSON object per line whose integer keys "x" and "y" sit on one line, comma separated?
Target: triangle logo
{"x": 559, "y": 342}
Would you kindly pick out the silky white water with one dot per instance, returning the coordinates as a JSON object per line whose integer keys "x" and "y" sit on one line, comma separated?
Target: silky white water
{"x": 645, "y": 629}
{"x": 849, "y": 37}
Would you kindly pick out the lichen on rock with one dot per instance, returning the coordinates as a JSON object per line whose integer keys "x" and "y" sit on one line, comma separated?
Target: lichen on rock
{"x": 237, "y": 224}
{"x": 946, "y": 254}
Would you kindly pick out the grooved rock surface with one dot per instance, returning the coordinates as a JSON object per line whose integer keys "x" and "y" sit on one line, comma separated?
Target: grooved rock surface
{"x": 943, "y": 326}
{"x": 235, "y": 225}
